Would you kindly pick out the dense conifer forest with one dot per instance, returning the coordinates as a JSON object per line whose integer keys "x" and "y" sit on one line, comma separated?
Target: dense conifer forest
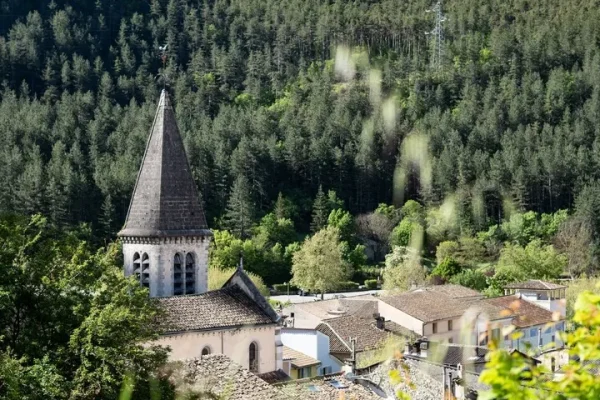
{"x": 508, "y": 122}
{"x": 312, "y": 127}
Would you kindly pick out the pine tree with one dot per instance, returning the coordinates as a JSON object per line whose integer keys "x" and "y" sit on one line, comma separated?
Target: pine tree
{"x": 240, "y": 212}
{"x": 320, "y": 212}
{"x": 108, "y": 217}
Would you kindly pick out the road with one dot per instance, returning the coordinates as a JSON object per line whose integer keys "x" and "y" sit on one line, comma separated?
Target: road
{"x": 295, "y": 299}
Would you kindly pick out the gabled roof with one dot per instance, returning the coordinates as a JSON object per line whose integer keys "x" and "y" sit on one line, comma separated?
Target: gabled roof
{"x": 534, "y": 284}
{"x": 298, "y": 359}
{"x": 364, "y": 330}
{"x": 220, "y": 376}
{"x": 241, "y": 280}
{"x": 326, "y": 309}
{"x": 523, "y": 312}
{"x": 224, "y": 308}
{"x": 432, "y": 303}
{"x": 165, "y": 199}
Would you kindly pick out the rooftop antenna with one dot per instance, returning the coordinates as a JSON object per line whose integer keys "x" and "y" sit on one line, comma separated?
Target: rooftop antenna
{"x": 438, "y": 35}
{"x": 163, "y": 57}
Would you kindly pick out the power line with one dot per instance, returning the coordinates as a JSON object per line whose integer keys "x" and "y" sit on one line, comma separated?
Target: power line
{"x": 438, "y": 35}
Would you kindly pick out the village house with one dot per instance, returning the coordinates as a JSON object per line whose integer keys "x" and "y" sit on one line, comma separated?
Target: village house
{"x": 217, "y": 376}
{"x": 355, "y": 340}
{"x": 298, "y": 365}
{"x": 455, "y": 314}
{"x": 165, "y": 246}
{"x": 314, "y": 344}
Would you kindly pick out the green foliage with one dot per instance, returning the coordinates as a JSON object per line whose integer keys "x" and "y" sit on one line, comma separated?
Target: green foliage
{"x": 217, "y": 277}
{"x": 403, "y": 269}
{"x": 413, "y": 211}
{"x": 534, "y": 261}
{"x": 66, "y": 338}
{"x": 348, "y": 286}
{"x": 470, "y": 278}
{"x": 405, "y": 233}
{"x": 273, "y": 264}
{"x": 282, "y": 288}
{"x": 448, "y": 268}
{"x": 343, "y": 221}
{"x": 319, "y": 265}
{"x": 448, "y": 248}
{"x": 371, "y": 284}
{"x": 511, "y": 376}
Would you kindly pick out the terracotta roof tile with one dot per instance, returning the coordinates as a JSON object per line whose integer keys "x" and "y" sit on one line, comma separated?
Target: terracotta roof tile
{"x": 322, "y": 389}
{"x": 298, "y": 359}
{"x": 367, "y": 335}
{"x": 220, "y": 376}
{"x": 333, "y": 308}
{"x": 227, "y": 307}
{"x": 534, "y": 284}
{"x": 523, "y": 312}
{"x": 429, "y": 305}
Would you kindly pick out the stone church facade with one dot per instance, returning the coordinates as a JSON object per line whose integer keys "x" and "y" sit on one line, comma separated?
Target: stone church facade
{"x": 166, "y": 242}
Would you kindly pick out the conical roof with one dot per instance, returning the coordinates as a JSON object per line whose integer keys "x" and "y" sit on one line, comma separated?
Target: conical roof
{"x": 165, "y": 198}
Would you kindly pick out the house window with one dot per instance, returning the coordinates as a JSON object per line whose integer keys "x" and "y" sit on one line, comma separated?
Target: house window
{"x": 560, "y": 326}
{"x": 190, "y": 274}
{"x": 304, "y": 372}
{"x": 552, "y": 364}
{"x": 449, "y": 325}
{"x": 177, "y": 275}
{"x": 206, "y": 351}
{"x": 496, "y": 334}
{"x": 326, "y": 370}
{"x": 141, "y": 269}
{"x": 253, "y": 357}
{"x": 450, "y": 340}
{"x": 533, "y": 332}
{"x": 434, "y": 327}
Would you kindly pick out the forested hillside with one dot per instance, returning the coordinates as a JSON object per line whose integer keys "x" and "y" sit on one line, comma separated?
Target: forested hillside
{"x": 512, "y": 116}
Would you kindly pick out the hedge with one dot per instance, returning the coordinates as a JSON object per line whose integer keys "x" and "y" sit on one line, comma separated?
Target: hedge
{"x": 349, "y": 285}
{"x": 283, "y": 288}
{"x": 371, "y": 284}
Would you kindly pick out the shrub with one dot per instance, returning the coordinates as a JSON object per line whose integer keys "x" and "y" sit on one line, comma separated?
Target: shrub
{"x": 371, "y": 283}
{"x": 470, "y": 278}
{"x": 283, "y": 288}
{"x": 447, "y": 268}
{"x": 348, "y": 286}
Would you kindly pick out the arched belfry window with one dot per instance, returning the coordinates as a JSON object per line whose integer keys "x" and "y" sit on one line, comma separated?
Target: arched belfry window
{"x": 206, "y": 351}
{"x": 141, "y": 269}
{"x": 190, "y": 274}
{"x": 177, "y": 275}
{"x": 253, "y": 357}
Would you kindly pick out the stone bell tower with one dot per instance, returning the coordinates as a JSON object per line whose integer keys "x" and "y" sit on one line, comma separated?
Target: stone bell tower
{"x": 165, "y": 237}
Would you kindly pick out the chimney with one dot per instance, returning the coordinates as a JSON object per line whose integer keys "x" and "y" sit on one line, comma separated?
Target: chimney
{"x": 379, "y": 321}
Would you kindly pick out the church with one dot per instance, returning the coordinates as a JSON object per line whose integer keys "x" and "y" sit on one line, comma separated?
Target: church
{"x": 165, "y": 246}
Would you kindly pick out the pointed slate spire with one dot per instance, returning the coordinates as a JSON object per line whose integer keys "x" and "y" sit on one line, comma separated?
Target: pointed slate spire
{"x": 165, "y": 198}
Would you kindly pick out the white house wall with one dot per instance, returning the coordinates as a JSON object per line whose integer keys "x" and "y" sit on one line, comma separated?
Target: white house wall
{"x": 400, "y": 317}
{"x": 312, "y": 343}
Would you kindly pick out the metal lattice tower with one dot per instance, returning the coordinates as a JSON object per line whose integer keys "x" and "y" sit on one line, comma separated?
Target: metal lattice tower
{"x": 438, "y": 36}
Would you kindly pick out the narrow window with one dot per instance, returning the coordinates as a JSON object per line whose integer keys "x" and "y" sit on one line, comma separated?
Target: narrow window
{"x": 190, "y": 274}
{"x": 177, "y": 275}
{"x": 450, "y": 340}
{"x": 137, "y": 266}
{"x": 253, "y": 357}
{"x": 145, "y": 271}
{"x": 449, "y": 325}
{"x": 206, "y": 351}
{"x": 434, "y": 327}
{"x": 552, "y": 364}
